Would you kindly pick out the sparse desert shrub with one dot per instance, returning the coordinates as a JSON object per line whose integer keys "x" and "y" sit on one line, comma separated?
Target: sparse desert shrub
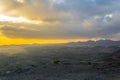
{"x": 89, "y": 63}
{"x": 56, "y": 62}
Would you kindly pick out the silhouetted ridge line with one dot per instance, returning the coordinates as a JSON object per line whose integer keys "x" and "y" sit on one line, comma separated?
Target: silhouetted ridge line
{"x": 105, "y": 43}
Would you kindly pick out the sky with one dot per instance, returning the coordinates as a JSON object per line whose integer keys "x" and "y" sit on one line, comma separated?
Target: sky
{"x": 58, "y": 21}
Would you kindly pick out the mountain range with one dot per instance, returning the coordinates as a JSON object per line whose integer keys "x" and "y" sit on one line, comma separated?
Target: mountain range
{"x": 105, "y": 43}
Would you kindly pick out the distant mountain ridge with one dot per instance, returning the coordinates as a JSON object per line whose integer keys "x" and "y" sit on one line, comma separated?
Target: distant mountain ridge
{"x": 97, "y": 43}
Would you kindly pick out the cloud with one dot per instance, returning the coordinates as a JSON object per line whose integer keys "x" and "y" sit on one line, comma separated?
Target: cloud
{"x": 62, "y": 19}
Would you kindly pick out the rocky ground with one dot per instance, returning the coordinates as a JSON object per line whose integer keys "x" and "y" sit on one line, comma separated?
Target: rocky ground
{"x": 102, "y": 64}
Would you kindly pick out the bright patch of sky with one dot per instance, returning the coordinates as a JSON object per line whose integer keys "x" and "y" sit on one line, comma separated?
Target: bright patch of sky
{"x": 58, "y": 1}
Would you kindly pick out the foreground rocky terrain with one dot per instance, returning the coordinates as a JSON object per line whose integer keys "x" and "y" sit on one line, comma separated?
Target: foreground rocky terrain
{"x": 59, "y": 62}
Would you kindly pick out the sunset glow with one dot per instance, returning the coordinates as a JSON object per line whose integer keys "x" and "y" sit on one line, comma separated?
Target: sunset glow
{"x": 4, "y": 18}
{"x": 57, "y": 21}
{"x": 21, "y": 1}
